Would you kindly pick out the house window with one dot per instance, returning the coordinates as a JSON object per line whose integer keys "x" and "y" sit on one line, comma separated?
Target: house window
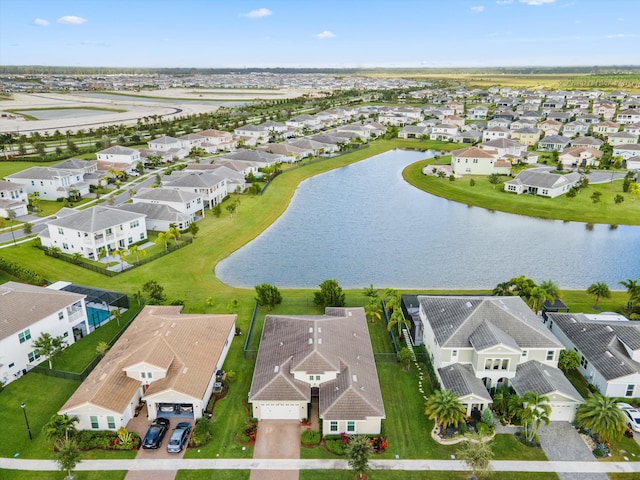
{"x": 94, "y": 422}
{"x": 111, "y": 422}
{"x": 33, "y": 356}
{"x": 142, "y": 236}
{"x": 454, "y": 353}
{"x": 584, "y": 362}
{"x": 24, "y": 336}
{"x": 525, "y": 353}
{"x": 130, "y": 240}
{"x": 317, "y": 377}
{"x": 12, "y": 364}
{"x": 550, "y": 355}
{"x": 487, "y": 364}
{"x": 311, "y": 378}
{"x": 149, "y": 375}
{"x": 629, "y": 392}
{"x": 505, "y": 364}
{"x": 333, "y": 426}
{"x": 143, "y": 374}
{"x": 108, "y": 231}
{"x": 134, "y": 224}
{"x": 60, "y": 231}
{"x": 60, "y": 315}
{"x": 351, "y": 426}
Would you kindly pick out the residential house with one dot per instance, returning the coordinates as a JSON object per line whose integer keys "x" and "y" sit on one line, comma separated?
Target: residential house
{"x": 330, "y": 354}
{"x": 493, "y": 339}
{"x": 159, "y": 217}
{"x": 77, "y": 165}
{"x": 533, "y": 116}
{"x": 550, "y": 127}
{"x": 580, "y": 157}
{"x": 119, "y": 158}
{"x": 605, "y": 128}
{"x": 526, "y": 136}
{"x": 632, "y": 128}
{"x": 505, "y": 147}
{"x": 553, "y": 142}
{"x": 302, "y": 122}
{"x": 498, "y": 122}
{"x": 252, "y": 135}
{"x": 96, "y": 229}
{"x": 209, "y": 184}
{"x": 633, "y": 163}
{"x": 608, "y": 347}
{"x": 591, "y": 142}
{"x": 589, "y": 118}
{"x": 454, "y": 120}
{"x": 234, "y": 178}
{"x": 475, "y": 161}
{"x": 265, "y": 159}
{"x": 318, "y": 148}
{"x": 190, "y": 203}
{"x": 575, "y": 128}
{"x": 562, "y": 117}
{"x": 507, "y": 114}
{"x": 458, "y": 107}
{"x": 605, "y": 110}
{"x": 478, "y": 112}
{"x": 394, "y": 119}
{"x": 628, "y": 116}
{"x": 543, "y": 183}
{"x": 469, "y": 136}
{"x": 217, "y": 140}
{"x": 50, "y": 183}
{"x": 287, "y": 152}
{"x": 165, "y": 143}
{"x": 626, "y": 151}
{"x": 164, "y": 358}
{"x": 411, "y": 131}
{"x": 444, "y": 132}
{"x": 495, "y": 133}
{"x": 27, "y": 312}
{"x": 621, "y": 138}
{"x": 13, "y": 197}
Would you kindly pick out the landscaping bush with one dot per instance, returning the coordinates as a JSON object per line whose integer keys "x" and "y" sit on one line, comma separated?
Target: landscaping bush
{"x": 202, "y": 432}
{"x": 486, "y": 417}
{"x": 107, "y": 440}
{"x": 310, "y": 437}
{"x": 462, "y": 428}
{"x": 334, "y": 446}
{"x": 242, "y": 435}
{"x": 482, "y": 428}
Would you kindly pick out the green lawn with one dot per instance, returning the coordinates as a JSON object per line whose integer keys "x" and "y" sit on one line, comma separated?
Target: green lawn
{"x": 483, "y": 194}
{"x": 94, "y": 475}
{"x": 418, "y": 475}
{"x": 210, "y": 474}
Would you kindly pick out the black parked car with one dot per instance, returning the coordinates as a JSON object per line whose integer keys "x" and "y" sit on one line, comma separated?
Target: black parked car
{"x": 155, "y": 433}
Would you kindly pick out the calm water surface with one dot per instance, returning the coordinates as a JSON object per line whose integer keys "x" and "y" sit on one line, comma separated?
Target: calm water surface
{"x": 169, "y": 101}
{"x": 364, "y": 224}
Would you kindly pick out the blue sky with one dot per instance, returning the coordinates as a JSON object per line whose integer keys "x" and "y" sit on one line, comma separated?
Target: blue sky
{"x": 319, "y": 33}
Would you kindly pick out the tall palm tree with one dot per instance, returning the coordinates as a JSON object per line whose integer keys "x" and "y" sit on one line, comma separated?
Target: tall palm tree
{"x": 397, "y": 320}
{"x": 602, "y": 415}
{"x": 537, "y": 296}
{"x": 139, "y": 252}
{"x": 162, "y": 237}
{"x": 444, "y": 407}
{"x": 599, "y": 290}
{"x": 373, "y": 310}
{"x": 391, "y": 299}
{"x": 174, "y": 233}
{"x": 538, "y": 409}
{"x": 633, "y": 290}
{"x": 553, "y": 291}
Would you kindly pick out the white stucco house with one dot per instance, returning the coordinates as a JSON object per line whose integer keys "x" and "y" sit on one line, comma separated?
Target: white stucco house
{"x": 50, "y": 183}
{"x": 190, "y": 203}
{"x": 27, "y": 311}
{"x": 119, "y": 158}
{"x": 90, "y": 231}
{"x": 328, "y": 356}
{"x": 476, "y": 343}
{"x": 543, "y": 183}
{"x": 476, "y": 161}
{"x": 13, "y": 197}
{"x": 609, "y": 349}
{"x": 163, "y": 358}
{"x": 211, "y": 185}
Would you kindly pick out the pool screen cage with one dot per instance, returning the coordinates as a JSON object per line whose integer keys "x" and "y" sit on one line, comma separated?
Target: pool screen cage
{"x": 97, "y": 295}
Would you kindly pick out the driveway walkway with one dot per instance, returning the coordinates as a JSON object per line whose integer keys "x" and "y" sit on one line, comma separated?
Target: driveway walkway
{"x": 561, "y": 441}
{"x": 277, "y": 439}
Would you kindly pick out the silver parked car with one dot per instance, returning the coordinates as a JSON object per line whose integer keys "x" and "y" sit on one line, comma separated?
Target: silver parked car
{"x": 178, "y": 438}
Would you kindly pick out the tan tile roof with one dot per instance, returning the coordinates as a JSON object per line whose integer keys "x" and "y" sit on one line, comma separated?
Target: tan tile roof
{"x": 22, "y": 305}
{"x": 473, "y": 152}
{"x": 337, "y": 341}
{"x": 188, "y": 345}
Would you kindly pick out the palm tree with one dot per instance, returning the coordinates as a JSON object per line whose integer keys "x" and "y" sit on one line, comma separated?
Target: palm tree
{"x": 537, "y": 297}
{"x": 391, "y": 299}
{"x": 397, "y": 319}
{"x": 122, "y": 253}
{"x": 116, "y": 315}
{"x": 358, "y": 451}
{"x": 476, "y": 454}
{"x": 174, "y": 233}
{"x": 373, "y": 310}
{"x": 599, "y": 290}
{"x": 162, "y": 237}
{"x": 444, "y": 407}
{"x": 503, "y": 290}
{"x": 138, "y": 252}
{"x": 553, "y": 291}
{"x": 539, "y": 410}
{"x": 60, "y": 427}
{"x": 633, "y": 289}
{"x": 68, "y": 456}
{"x": 602, "y": 415}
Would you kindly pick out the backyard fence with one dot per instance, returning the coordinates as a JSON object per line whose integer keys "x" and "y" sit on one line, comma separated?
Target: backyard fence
{"x": 250, "y": 353}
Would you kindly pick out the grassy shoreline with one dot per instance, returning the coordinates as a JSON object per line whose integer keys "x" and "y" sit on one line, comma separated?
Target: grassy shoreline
{"x": 578, "y": 209}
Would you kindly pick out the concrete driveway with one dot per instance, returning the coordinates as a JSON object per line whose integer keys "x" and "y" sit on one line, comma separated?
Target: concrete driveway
{"x": 277, "y": 439}
{"x": 562, "y": 442}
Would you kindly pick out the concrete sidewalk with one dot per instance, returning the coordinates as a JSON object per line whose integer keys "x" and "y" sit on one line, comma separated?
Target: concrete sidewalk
{"x": 318, "y": 464}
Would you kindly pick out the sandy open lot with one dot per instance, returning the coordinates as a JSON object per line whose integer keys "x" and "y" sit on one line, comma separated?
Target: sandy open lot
{"x": 135, "y": 107}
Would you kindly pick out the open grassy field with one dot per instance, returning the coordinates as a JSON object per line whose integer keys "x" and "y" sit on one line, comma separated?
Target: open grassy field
{"x": 94, "y": 475}
{"x": 483, "y": 194}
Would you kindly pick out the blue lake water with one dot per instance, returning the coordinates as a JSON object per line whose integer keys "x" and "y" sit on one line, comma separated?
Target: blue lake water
{"x": 364, "y": 224}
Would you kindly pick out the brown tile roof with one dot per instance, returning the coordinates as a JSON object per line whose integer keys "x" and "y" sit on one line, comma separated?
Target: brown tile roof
{"x": 22, "y": 305}
{"x": 188, "y": 345}
{"x": 337, "y": 341}
{"x": 473, "y": 152}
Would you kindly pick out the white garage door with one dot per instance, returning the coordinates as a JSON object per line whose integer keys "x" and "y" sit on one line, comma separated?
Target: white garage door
{"x": 562, "y": 412}
{"x": 280, "y": 411}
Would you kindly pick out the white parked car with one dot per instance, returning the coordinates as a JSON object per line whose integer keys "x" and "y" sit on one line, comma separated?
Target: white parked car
{"x": 632, "y": 416}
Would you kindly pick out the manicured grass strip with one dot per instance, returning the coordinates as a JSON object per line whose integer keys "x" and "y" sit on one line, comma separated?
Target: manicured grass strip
{"x": 507, "y": 447}
{"x": 210, "y": 474}
{"x": 578, "y": 209}
{"x": 43, "y": 396}
{"x": 419, "y": 475}
{"x": 34, "y": 475}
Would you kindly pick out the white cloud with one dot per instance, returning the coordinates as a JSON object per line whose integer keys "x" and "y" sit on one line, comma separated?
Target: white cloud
{"x": 536, "y": 2}
{"x": 259, "y": 13}
{"x": 72, "y": 20}
{"x": 41, "y": 22}
{"x": 622, "y": 35}
{"x": 324, "y": 35}
{"x": 478, "y": 9}
{"x": 503, "y": 2}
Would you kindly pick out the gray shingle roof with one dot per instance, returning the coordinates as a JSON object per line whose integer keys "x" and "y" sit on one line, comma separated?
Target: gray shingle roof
{"x": 118, "y": 150}
{"x": 155, "y": 211}
{"x": 166, "y": 195}
{"x": 461, "y": 380}
{"x": 453, "y": 320}
{"x": 533, "y": 376}
{"x": 337, "y": 341}
{"x": 542, "y": 179}
{"x": 488, "y": 335}
{"x": 94, "y": 219}
{"x": 41, "y": 173}
{"x": 601, "y": 342}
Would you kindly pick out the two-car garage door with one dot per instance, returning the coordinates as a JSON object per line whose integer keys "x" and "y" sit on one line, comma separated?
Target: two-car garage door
{"x": 280, "y": 411}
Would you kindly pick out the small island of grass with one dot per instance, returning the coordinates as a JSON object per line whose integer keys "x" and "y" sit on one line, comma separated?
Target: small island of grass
{"x": 481, "y": 193}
